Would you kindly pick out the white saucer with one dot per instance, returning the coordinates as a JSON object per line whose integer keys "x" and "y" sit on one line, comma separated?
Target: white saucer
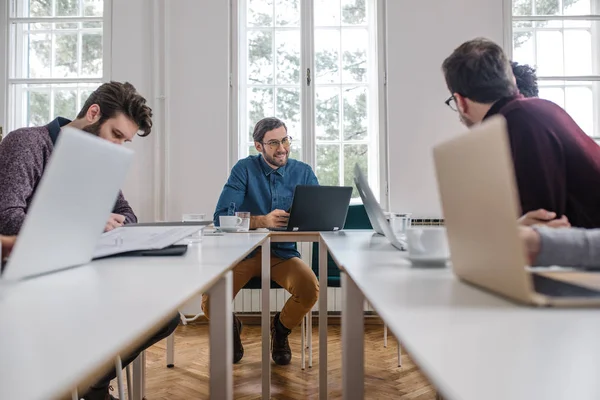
{"x": 428, "y": 261}
{"x": 228, "y": 229}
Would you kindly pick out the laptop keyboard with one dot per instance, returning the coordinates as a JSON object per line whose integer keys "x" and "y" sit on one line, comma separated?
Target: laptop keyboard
{"x": 555, "y": 288}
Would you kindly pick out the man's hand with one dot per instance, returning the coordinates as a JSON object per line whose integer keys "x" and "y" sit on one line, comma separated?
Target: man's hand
{"x": 532, "y": 243}
{"x": 8, "y": 242}
{"x": 114, "y": 221}
{"x": 274, "y": 219}
{"x": 543, "y": 217}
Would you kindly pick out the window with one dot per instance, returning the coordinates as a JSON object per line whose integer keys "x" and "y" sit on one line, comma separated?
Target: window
{"x": 319, "y": 75}
{"x": 57, "y": 56}
{"x": 561, "y": 38}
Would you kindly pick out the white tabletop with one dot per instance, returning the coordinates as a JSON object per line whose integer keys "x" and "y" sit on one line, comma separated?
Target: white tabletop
{"x": 61, "y": 329}
{"x": 471, "y": 344}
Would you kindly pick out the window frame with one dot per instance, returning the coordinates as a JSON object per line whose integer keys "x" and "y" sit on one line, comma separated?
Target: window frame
{"x": 378, "y": 169}
{"x": 509, "y": 19}
{"x": 8, "y": 84}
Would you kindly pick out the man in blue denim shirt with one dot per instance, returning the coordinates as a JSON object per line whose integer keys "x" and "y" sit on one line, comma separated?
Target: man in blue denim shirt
{"x": 264, "y": 186}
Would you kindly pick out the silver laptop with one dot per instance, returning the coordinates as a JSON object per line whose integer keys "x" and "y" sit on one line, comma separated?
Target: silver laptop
{"x": 374, "y": 211}
{"x": 71, "y": 205}
{"x": 479, "y": 196}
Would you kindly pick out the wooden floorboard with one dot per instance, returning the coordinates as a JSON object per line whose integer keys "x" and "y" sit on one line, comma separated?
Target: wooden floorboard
{"x": 189, "y": 378}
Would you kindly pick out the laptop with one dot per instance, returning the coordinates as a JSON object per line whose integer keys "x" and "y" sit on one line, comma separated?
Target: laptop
{"x": 318, "y": 209}
{"x": 374, "y": 211}
{"x": 479, "y": 196}
{"x": 71, "y": 205}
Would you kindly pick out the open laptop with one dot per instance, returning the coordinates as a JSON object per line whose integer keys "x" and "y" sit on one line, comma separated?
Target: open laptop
{"x": 71, "y": 205}
{"x": 318, "y": 208}
{"x": 374, "y": 211}
{"x": 477, "y": 185}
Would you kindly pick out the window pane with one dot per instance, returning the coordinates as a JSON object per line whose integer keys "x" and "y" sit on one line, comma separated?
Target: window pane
{"x": 65, "y": 104}
{"x": 260, "y": 57}
{"x": 547, "y": 7}
{"x": 288, "y": 110}
{"x": 579, "y": 102}
{"x": 578, "y": 52}
{"x": 327, "y": 104}
{"x": 354, "y": 12}
{"x": 91, "y": 53}
{"x": 577, "y": 7}
{"x": 260, "y": 13}
{"x": 550, "y": 53}
{"x": 554, "y": 94}
{"x": 65, "y": 59}
{"x": 327, "y": 56}
{"x": 260, "y": 105}
{"x": 67, "y": 8}
{"x": 328, "y": 164}
{"x": 288, "y": 57}
{"x": 93, "y": 8}
{"x": 522, "y": 7}
{"x": 34, "y": 8}
{"x": 327, "y": 13}
{"x": 287, "y": 12}
{"x": 354, "y": 59}
{"x": 38, "y": 53}
{"x": 355, "y": 154}
{"x": 355, "y": 113}
{"x": 252, "y": 150}
{"x": 38, "y": 108}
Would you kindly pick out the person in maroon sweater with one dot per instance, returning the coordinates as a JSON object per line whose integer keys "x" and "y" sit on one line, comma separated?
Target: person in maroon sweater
{"x": 557, "y": 165}
{"x": 114, "y": 112}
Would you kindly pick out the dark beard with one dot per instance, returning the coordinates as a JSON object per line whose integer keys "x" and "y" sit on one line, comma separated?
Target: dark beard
{"x": 273, "y": 161}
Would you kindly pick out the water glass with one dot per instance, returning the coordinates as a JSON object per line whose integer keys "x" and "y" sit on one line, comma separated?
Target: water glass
{"x": 400, "y": 222}
{"x": 196, "y": 237}
{"x": 245, "y": 216}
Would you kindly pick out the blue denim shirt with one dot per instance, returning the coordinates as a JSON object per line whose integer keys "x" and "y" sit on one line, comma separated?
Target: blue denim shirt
{"x": 255, "y": 187}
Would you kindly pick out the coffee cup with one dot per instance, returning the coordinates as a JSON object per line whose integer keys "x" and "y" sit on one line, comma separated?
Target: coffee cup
{"x": 427, "y": 242}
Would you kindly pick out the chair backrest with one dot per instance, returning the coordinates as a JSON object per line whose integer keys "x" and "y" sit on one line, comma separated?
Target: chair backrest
{"x": 357, "y": 218}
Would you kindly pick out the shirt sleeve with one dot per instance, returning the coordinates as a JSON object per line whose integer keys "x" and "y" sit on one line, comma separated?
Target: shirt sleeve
{"x": 539, "y": 165}
{"x": 21, "y": 168}
{"x": 123, "y": 208}
{"x": 572, "y": 247}
{"x": 233, "y": 192}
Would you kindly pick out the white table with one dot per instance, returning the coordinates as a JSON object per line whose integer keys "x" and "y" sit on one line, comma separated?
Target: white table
{"x": 472, "y": 345}
{"x": 63, "y": 329}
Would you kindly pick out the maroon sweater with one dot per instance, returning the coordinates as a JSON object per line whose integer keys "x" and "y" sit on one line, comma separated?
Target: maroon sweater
{"x": 557, "y": 165}
{"x": 24, "y": 154}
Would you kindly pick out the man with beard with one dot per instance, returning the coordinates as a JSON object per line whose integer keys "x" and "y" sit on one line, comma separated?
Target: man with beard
{"x": 557, "y": 165}
{"x": 264, "y": 186}
{"x": 114, "y": 112}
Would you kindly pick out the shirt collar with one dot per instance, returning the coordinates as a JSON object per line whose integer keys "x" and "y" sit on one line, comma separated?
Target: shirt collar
{"x": 497, "y": 106}
{"x": 54, "y": 127}
{"x": 267, "y": 168}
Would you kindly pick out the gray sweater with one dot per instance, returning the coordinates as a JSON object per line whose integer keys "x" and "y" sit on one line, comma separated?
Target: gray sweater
{"x": 24, "y": 154}
{"x": 572, "y": 247}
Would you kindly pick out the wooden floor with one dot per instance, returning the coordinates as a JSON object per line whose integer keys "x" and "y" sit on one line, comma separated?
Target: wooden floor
{"x": 189, "y": 378}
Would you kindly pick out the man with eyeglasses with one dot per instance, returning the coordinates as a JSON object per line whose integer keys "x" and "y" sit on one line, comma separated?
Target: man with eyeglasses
{"x": 264, "y": 185}
{"x": 557, "y": 165}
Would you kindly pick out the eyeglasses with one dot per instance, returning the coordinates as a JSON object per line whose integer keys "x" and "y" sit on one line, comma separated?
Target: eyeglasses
{"x": 274, "y": 144}
{"x": 451, "y": 102}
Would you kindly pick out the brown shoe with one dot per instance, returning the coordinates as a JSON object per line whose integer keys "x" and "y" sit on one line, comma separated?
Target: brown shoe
{"x": 280, "y": 347}
{"x": 238, "y": 349}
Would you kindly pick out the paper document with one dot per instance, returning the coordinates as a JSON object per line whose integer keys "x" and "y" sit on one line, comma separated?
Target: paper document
{"x": 126, "y": 239}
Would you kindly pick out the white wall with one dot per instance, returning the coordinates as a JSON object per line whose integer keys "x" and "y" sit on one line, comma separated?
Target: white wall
{"x": 420, "y": 35}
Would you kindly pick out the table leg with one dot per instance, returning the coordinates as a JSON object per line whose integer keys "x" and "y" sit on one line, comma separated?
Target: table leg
{"x": 353, "y": 335}
{"x": 221, "y": 339}
{"x": 266, "y": 318}
{"x": 119, "y": 371}
{"x": 323, "y": 320}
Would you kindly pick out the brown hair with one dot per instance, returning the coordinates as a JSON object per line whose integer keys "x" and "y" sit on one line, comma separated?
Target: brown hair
{"x": 116, "y": 97}
{"x": 266, "y": 125}
{"x": 479, "y": 70}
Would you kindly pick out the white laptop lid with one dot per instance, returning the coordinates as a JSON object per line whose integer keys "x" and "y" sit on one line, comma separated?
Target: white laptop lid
{"x": 71, "y": 205}
{"x": 373, "y": 209}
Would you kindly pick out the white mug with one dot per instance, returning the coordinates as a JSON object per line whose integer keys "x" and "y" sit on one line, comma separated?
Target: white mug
{"x": 230, "y": 221}
{"x": 427, "y": 241}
